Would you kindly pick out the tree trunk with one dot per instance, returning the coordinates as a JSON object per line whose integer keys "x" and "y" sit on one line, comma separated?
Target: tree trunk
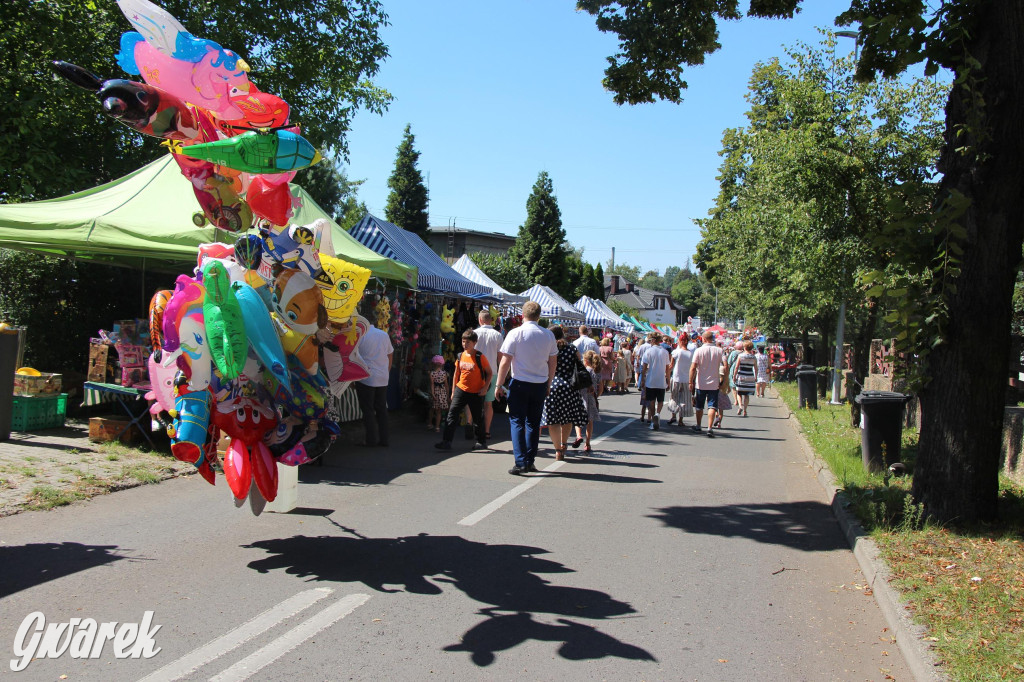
{"x": 862, "y": 357}
{"x": 957, "y": 471}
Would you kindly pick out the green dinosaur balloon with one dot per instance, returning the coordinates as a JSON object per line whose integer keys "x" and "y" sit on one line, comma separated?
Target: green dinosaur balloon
{"x": 225, "y": 326}
{"x": 278, "y": 151}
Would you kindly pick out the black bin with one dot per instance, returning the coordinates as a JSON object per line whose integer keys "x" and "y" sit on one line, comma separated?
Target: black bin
{"x": 807, "y": 381}
{"x": 8, "y": 365}
{"x": 882, "y": 422}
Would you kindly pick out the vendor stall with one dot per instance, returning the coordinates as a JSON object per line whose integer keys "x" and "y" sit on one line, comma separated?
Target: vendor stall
{"x": 552, "y": 305}
{"x": 598, "y": 318}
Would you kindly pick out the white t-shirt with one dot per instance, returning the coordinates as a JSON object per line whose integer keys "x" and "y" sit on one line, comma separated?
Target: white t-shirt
{"x": 585, "y": 343}
{"x": 638, "y": 355}
{"x": 708, "y": 359}
{"x": 488, "y": 341}
{"x": 375, "y": 347}
{"x": 656, "y": 358}
{"x": 530, "y": 346}
{"x": 681, "y": 370}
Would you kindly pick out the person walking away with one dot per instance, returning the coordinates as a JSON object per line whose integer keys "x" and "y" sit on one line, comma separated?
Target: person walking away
{"x": 681, "y": 358}
{"x": 472, "y": 377}
{"x": 733, "y": 354}
{"x": 607, "y": 372}
{"x": 372, "y": 392}
{"x": 705, "y": 379}
{"x": 745, "y": 376}
{"x": 584, "y": 343}
{"x": 529, "y": 352}
{"x": 592, "y": 361}
{"x": 440, "y": 393}
{"x": 656, "y": 377}
{"x": 621, "y": 370}
{"x": 563, "y": 406}
{"x": 763, "y": 369}
{"x": 638, "y": 362}
{"x": 488, "y": 341}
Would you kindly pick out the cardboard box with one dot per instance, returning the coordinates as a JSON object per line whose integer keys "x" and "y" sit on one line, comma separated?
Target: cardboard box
{"x": 102, "y": 362}
{"x": 44, "y": 384}
{"x": 106, "y": 429}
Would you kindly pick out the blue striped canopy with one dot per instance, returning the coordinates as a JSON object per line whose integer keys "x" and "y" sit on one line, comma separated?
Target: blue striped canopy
{"x": 471, "y": 271}
{"x": 434, "y": 274}
{"x": 596, "y": 317}
{"x": 551, "y": 304}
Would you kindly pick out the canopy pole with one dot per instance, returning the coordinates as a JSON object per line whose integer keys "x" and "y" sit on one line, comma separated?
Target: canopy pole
{"x": 142, "y": 284}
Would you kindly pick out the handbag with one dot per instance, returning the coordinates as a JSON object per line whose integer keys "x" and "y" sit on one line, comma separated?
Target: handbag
{"x": 581, "y": 378}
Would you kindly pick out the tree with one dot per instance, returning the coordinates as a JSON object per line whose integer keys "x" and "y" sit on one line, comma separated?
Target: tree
{"x": 540, "y": 245}
{"x": 619, "y": 308}
{"x": 504, "y": 270}
{"x": 54, "y": 138}
{"x": 334, "y": 192}
{"x": 974, "y": 226}
{"x": 407, "y": 201}
{"x": 597, "y": 289}
{"x": 686, "y": 291}
{"x": 672, "y": 273}
{"x": 630, "y": 272}
{"x": 653, "y": 281}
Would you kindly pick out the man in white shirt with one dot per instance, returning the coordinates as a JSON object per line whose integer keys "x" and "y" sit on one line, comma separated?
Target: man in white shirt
{"x": 656, "y": 372}
{"x": 488, "y": 342}
{"x": 705, "y": 379}
{"x": 585, "y": 343}
{"x": 638, "y": 372}
{"x": 377, "y": 353}
{"x": 530, "y": 352}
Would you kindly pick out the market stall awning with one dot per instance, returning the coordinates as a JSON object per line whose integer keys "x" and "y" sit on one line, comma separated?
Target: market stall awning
{"x": 471, "y": 271}
{"x": 145, "y": 219}
{"x": 434, "y": 274}
{"x": 596, "y": 317}
{"x": 551, "y": 304}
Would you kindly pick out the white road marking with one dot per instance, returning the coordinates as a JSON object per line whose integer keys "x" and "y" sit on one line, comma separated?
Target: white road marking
{"x": 495, "y": 505}
{"x": 252, "y": 664}
{"x": 243, "y": 633}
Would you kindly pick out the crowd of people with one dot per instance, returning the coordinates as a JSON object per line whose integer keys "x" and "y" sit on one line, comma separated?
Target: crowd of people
{"x": 554, "y": 384}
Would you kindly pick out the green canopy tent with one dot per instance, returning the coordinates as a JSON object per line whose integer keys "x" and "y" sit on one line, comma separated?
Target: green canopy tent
{"x": 144, "y": 220}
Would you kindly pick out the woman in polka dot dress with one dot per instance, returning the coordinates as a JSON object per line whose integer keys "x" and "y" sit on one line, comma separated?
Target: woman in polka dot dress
{"x": 563, "y": 408}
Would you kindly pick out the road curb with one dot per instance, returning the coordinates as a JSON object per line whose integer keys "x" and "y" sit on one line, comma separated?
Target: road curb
{"x": 909, "y": 635}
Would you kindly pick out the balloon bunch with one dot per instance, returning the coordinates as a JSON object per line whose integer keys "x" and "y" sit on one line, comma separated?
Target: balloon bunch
{"x": 234, "y": 143}
{"x": 254, "y": 359}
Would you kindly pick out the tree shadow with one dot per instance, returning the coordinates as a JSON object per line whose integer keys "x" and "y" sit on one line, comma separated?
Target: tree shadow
{"x": 597, "y": 478}
{"x": 807, "y": 526}
{"x": 25, "y": 566}
{"x": 505, "y": 578}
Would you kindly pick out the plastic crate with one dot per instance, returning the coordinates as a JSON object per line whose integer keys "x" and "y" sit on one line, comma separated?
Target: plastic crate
{"x": 34, "y": 413}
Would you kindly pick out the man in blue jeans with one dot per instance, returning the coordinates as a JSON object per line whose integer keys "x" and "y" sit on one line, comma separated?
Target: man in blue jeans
{"x": 529, "y": 351}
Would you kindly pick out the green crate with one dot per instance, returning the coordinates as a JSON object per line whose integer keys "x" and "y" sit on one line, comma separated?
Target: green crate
{"x": 37, "y": 412}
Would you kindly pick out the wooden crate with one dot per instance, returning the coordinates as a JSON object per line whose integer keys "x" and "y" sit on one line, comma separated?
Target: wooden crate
{"x": 105, "y": 430}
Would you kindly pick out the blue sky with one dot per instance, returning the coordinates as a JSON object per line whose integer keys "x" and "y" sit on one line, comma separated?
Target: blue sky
{"x": 498, "y": 91}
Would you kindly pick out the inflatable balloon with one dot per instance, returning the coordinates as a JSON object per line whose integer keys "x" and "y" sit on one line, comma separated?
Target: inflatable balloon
{"x": 185, "y": 333}
{"x": 145, "y": 108}
{"x": 341, "y": 359}
{"x": 260, "y": 330}
{"x": 297, "y": 246}
{"x": 157, "y": 305}
{"x": 342, "y": 284}
{"x": 269, "y": 201}
{"x": 246, "y": 421}
{"x": 222, "y": 316}
{"x": 258, "y": 152}
{"x": 298, "y": 306}
{"x": 191, "y": 423}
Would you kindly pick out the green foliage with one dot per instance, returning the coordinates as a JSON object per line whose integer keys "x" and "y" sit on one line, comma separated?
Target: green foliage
{"x": 334, "y": 192}
{"x": 540, "y": 245}
{"x": 586, "y": 284}
{"x": 618, "y": 307}
{"x": 63, "y": 303}
{"x": 504, "y": 270}
{"x": 407, "y": 201}
{"x": 597, "y": 287}
{"x": 54, "y": 138}
{"x": 653, "y": 281}
{"x": 630, "y": 272}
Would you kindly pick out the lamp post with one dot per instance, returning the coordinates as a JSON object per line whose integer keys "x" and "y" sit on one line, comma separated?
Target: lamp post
{"x": 837, "y": 379}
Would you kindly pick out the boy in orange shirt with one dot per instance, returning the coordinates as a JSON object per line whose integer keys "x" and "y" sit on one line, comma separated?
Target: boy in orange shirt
{"x": 471, "y": 380}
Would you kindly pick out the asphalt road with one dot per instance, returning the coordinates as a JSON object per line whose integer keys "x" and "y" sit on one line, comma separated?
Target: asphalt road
{"x": 666, "y": 556}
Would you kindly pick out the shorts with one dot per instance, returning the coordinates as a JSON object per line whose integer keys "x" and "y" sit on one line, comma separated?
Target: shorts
{"x": 711, "y": 397}
{"x": 655, "y": 395}
{"x": 489, "y": 398}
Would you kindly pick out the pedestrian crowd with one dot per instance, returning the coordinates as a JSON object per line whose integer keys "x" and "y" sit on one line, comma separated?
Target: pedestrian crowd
{"x": 553, "y": 384}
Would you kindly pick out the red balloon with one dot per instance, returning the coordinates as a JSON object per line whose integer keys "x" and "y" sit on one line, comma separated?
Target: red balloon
{"x": 269, "y": 201}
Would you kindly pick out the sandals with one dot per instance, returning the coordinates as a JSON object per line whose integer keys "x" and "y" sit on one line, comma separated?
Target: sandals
{"x": 575, "y": 443}
{"x": 560, "y": 454}
{"x": 587, "y": 451}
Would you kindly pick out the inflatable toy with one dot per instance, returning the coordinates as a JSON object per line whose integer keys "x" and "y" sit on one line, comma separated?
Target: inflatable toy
{"x": 342, "y": 284}
{"x": 297, "y": 246}
{"x": 258, "y": 152}
{"x": 299, "y": 311}
{"x": 157, "y": 305}
{"x": 341, "y": 359}
{"x": 260, "y": 330}
{"x": 222, "y": 317}
{"x": 248, "y": 459}
{"x": 191, "y": 422}
{"x": 269, "y": 201}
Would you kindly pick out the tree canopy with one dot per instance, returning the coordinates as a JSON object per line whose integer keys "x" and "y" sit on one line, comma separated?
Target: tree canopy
{"x": 540, "y": 244}
{"x": 407, "y": 200}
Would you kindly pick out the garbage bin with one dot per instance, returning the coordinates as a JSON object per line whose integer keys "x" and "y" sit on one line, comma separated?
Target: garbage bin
{"x": 8, "y": 364}
{"x": 881, "y": 422}
{"x": 807, "y": 381}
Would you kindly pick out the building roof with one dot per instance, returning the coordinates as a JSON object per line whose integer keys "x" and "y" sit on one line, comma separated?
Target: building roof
{"x": 640, "y": 298}
{"x": 441, "y": 229}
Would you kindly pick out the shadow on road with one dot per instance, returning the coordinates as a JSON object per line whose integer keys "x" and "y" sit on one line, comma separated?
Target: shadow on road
{"x": 25, "y": 566}
{"x": 506, "y": 578}
{"x": 807, "y": 526}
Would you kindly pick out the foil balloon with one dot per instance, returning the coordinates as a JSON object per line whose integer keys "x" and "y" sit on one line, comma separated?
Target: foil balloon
{"x": 342, "y": 284}
{"x": 145, "y": 108}
{"x": 258, "y": 152}
{"x": 248, "y": 459}
{"x": 191, "y": 424}
{"x": 298, "y": 308}
{"x": 261, "y": 332}
{"x": 224, "y": 324}
{"x": 185, "y": 333}
{"x": 297, "y": 246}
{"x": 157, "y": 305}
{"x": 272, "y": 202}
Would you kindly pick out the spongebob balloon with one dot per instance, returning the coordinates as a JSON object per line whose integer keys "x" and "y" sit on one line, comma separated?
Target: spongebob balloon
{"x": 342, "y": 284}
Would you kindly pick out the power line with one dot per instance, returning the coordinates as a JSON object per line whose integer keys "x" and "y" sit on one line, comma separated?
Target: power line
{"x": 580, "y": 227}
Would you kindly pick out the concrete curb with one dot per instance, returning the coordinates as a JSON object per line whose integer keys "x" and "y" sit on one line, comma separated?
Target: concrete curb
{"x": 909, "y": 635}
